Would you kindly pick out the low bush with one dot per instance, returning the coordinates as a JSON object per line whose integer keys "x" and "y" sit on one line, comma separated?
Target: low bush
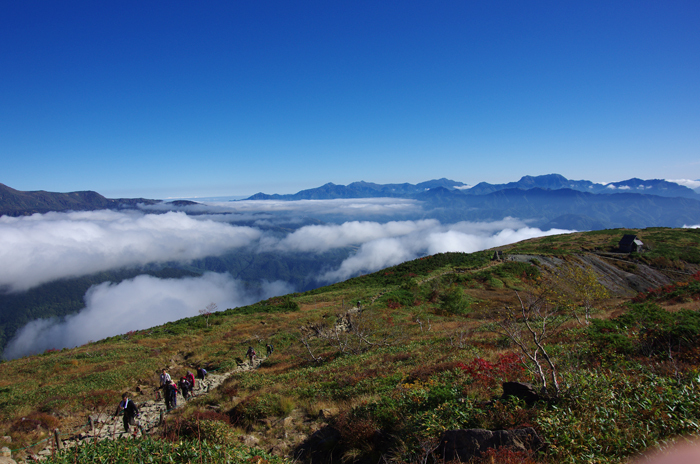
{"x": 607, "y": 416}
{"x": 151, "y": 450}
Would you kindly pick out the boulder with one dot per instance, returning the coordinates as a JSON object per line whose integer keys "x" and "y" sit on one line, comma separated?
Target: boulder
{"x": 327, "y": 413}
{"x": 249, "y": 440}
{"x": 522, "y": 390}
{"x": 320, "y": 448}
{"x": 465, "y": 444}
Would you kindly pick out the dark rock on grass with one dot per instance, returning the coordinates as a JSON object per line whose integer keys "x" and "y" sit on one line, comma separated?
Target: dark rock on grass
{"x": 321, "y": 447}
{"x": 521, "y": 390}
{"x": 465, "y": 444}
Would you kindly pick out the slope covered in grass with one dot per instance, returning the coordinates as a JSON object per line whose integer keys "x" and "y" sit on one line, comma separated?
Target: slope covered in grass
{"x": 425, "y": 352}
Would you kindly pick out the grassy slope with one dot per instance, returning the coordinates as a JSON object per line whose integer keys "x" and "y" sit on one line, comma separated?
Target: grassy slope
{"x": 395, "y": 399}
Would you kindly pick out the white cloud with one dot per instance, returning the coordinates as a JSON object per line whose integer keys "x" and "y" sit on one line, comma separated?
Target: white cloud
{"x": 320, "y": 238}
{"x": 342, "y": 206}
{"x": 135, "y": 304}
{"x": 697, "y": 226}
{"x": 461, "y": 237}
{"x": 693, "y": 184}
{"x": 44, "y": 247}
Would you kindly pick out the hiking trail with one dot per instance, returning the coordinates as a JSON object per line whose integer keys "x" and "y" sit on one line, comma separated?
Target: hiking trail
{"x": 104, "y": 426}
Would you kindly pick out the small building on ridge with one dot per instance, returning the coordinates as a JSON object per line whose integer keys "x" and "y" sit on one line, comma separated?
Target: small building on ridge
{"x": 630, "y": 243}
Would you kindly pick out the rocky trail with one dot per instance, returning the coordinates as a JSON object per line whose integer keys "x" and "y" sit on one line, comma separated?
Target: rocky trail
{"x": 105, "y": 426}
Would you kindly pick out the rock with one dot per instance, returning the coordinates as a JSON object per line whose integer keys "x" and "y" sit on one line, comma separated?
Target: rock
{"x": 327, "y": 413}
{"x": 524, "y": 391}
{"x": 7, "y": 439}
{"x": 249, "y": 440}
{"x": 288, "y": 422}
{"x": 320, "y": 448}
{"x": 5, "y": 452}
{"x": 143, "y": 389}
{"x": 465, "y": 444}
{"x": 97, "y": 418}
{"x": 7, "y": 460}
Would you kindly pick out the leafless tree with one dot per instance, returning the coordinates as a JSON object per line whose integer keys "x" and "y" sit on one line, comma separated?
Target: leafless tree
{"x": 529, "y": 326}
{"x": 353, "y": 332}
{"x": 211, "y": 308}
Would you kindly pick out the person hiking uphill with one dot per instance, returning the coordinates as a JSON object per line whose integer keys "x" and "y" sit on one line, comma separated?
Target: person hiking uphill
{"x": 170, "y": 394}
{"x": 251, "y": 354}
{"x": 185, "y": 387}
{"x": 190, "y": 379}
{"x": 269, "y": 349}
{"x": 201, "y": 373}
{"x": 164, "y": 380}
{"x": 130, "y": 412}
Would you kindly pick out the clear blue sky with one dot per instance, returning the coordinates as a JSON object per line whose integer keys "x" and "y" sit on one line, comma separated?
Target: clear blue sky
{"x": 162, "y": 99}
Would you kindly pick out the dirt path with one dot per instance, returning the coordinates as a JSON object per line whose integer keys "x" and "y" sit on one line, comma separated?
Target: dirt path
{"x": 106, "y": 427}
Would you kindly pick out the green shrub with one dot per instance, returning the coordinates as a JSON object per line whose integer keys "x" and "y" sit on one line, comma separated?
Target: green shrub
{"x": 607, "y": 416}
{"x": 646, "y": 329}
{"x": 151, "y": 450}
{"x": 452, "y": 301}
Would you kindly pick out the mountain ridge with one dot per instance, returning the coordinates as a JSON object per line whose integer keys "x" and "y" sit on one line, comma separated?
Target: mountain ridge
{"x": 22, "y": 203}
{"x": 658, "y": 187}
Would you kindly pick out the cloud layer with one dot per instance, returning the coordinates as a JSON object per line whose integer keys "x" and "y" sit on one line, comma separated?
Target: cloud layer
{"x": 45, "y": 247}
{"x": 461, "y": 237}
{"x": 135, "y": 304}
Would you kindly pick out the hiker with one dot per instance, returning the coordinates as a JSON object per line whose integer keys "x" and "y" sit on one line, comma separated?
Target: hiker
{"x": 269, "y": 349}
{"x": 251, "y": 354}
{"x": 170, "y": 395}
{"x": 164, "y": 378}
{"x": 201, "y": 373}
{"x": 190, "y": 379}
{"x": 185, "y": 386}
{"x": 130, "y": 412}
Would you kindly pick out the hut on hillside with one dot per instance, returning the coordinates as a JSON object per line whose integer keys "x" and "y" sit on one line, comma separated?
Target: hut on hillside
{"x": 630, "y": 243}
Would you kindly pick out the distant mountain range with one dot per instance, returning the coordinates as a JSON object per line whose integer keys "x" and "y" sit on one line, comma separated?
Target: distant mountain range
{"x": 547, "y": 201}
{"x": 328, "y": 191}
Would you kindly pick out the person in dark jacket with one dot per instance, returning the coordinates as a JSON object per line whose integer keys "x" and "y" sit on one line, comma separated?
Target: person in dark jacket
{"x": 170, "y": 395}
{"x": 130, "y": 411}
{"x": 185, "y": 387}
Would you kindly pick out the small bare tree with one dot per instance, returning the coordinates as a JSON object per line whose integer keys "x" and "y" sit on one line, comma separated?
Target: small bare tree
{"x": 211, "y": 308}
{"x": 353, "y": 332}
{"x": 529, "y": 326}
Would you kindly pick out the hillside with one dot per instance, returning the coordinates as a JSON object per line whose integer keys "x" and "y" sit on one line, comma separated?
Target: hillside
{"x": 427, "y": 352}
{"x": 18, "y": 203}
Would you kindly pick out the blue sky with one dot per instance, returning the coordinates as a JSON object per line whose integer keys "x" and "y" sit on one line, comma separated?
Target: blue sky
{"x": 177, "y": 99}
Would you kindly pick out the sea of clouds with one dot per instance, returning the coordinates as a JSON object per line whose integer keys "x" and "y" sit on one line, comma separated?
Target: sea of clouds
{"x": 45, "y": 247}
